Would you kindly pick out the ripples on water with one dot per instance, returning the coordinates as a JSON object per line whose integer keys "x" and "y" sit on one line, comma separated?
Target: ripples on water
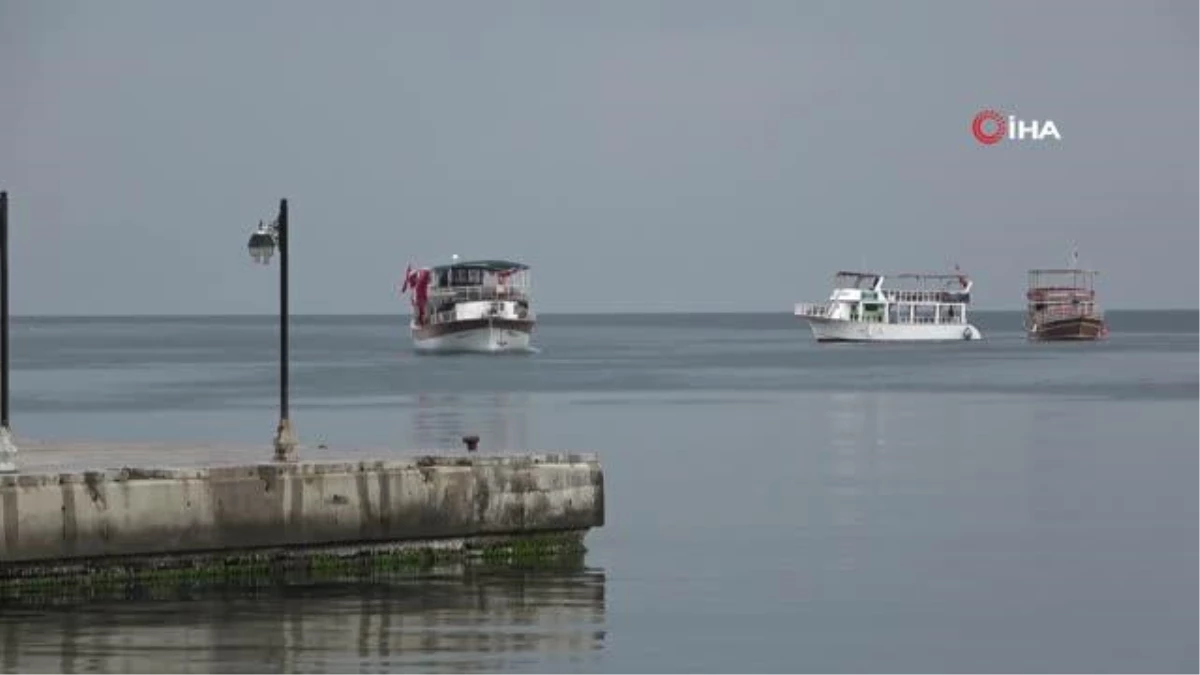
{"x": 772, "y": 504}
{"x": 454, "y": 621}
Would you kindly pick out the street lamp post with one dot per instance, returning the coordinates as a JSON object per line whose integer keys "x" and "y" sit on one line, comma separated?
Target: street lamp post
{"x": 262, "y": 245}
{"x": 8, "y": 449}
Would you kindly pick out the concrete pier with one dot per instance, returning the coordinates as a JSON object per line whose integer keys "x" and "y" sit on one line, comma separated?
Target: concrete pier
{"x": 56, "y": 514}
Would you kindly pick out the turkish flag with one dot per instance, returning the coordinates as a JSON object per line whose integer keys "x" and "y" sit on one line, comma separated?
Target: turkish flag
{"x": 408, "y": 278}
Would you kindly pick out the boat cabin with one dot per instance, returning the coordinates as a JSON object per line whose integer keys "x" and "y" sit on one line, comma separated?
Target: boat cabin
{"x": 480, "y": 280}
{"x": 477, "y": 288}
{"x": 1060, "y": 294}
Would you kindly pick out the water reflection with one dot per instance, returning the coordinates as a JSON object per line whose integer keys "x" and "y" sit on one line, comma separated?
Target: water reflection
{"x": 500, "y": 419}
{"x": 461, "y": 621}
{"x": 856, "y": 437}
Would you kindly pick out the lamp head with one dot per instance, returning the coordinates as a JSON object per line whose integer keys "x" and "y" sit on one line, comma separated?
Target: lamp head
{"x": 261, "y": 245}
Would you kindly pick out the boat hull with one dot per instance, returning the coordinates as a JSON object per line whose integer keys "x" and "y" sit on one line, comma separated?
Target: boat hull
{"x": 491, "y": 335}
{"x": 1068, "y": 329}
{"x": 840, "y": 330}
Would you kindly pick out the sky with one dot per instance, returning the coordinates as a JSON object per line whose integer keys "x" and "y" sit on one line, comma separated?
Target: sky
{"x": 640, "y": 155}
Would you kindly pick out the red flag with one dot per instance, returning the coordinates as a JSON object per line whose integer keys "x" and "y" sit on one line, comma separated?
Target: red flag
{"x": 420, "y": 286}
{"x": 407, "y": 278}
{"x": 962, "y": 278}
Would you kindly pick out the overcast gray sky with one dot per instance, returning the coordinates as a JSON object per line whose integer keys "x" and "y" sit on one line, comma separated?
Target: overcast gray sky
{"x": 691, "y": 155}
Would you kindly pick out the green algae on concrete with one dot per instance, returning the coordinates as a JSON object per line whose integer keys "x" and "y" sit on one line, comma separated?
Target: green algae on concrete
{"x": 109, "y": 577}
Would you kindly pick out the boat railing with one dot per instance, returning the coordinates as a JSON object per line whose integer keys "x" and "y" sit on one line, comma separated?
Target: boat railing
{"x": 948, "y": 315}
{"x": 1065, "y": 310}
{"x": 451, "y": 315}
{"x": 927, "y": 297}
{"x": 1060, "y": 295}
{"x": 470, "y": 293}
{"x": 940, "y": 320}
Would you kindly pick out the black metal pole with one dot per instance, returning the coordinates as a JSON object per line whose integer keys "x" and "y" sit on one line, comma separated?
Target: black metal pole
{"x": 283, "y": 309}
{"x": 4, "y": 309}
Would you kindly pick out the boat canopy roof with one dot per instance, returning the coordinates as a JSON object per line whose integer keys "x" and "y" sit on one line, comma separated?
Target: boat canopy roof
{"x": 860, "y": 280}
{"x": 905, "y": 275}
{"x": 1062, "y": 279}
{"x": 853, "y": 278}
{"x": 485, "y": 265}
{"x": 1066, "y": 270}
{"x": 920, "y": 275}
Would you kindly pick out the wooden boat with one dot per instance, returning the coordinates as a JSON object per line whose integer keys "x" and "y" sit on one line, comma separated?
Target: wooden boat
{"x": 1061, "y": 305}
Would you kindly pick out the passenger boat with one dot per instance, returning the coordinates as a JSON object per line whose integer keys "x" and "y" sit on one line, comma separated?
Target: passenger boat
{"x": 918, "y": 307}
{"x": 1061, "y": 305}
{"x": 474, "y": 306}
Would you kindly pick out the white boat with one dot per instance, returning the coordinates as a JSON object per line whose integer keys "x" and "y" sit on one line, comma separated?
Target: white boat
{"x": 475, "y": 306}
{"x": 920, "y": 307}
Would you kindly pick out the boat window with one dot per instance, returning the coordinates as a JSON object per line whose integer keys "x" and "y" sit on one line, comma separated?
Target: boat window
{"x": 466, "y": 277}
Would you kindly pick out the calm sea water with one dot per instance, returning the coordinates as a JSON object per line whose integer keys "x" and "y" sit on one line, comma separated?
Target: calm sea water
{"x": 773, "y": 505}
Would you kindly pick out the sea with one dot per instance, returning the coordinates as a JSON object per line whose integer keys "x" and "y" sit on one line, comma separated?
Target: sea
{"x": 772, "y": 505}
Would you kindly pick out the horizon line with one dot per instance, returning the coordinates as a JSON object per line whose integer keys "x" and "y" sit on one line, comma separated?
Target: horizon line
{"x": 540, "y": 313}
